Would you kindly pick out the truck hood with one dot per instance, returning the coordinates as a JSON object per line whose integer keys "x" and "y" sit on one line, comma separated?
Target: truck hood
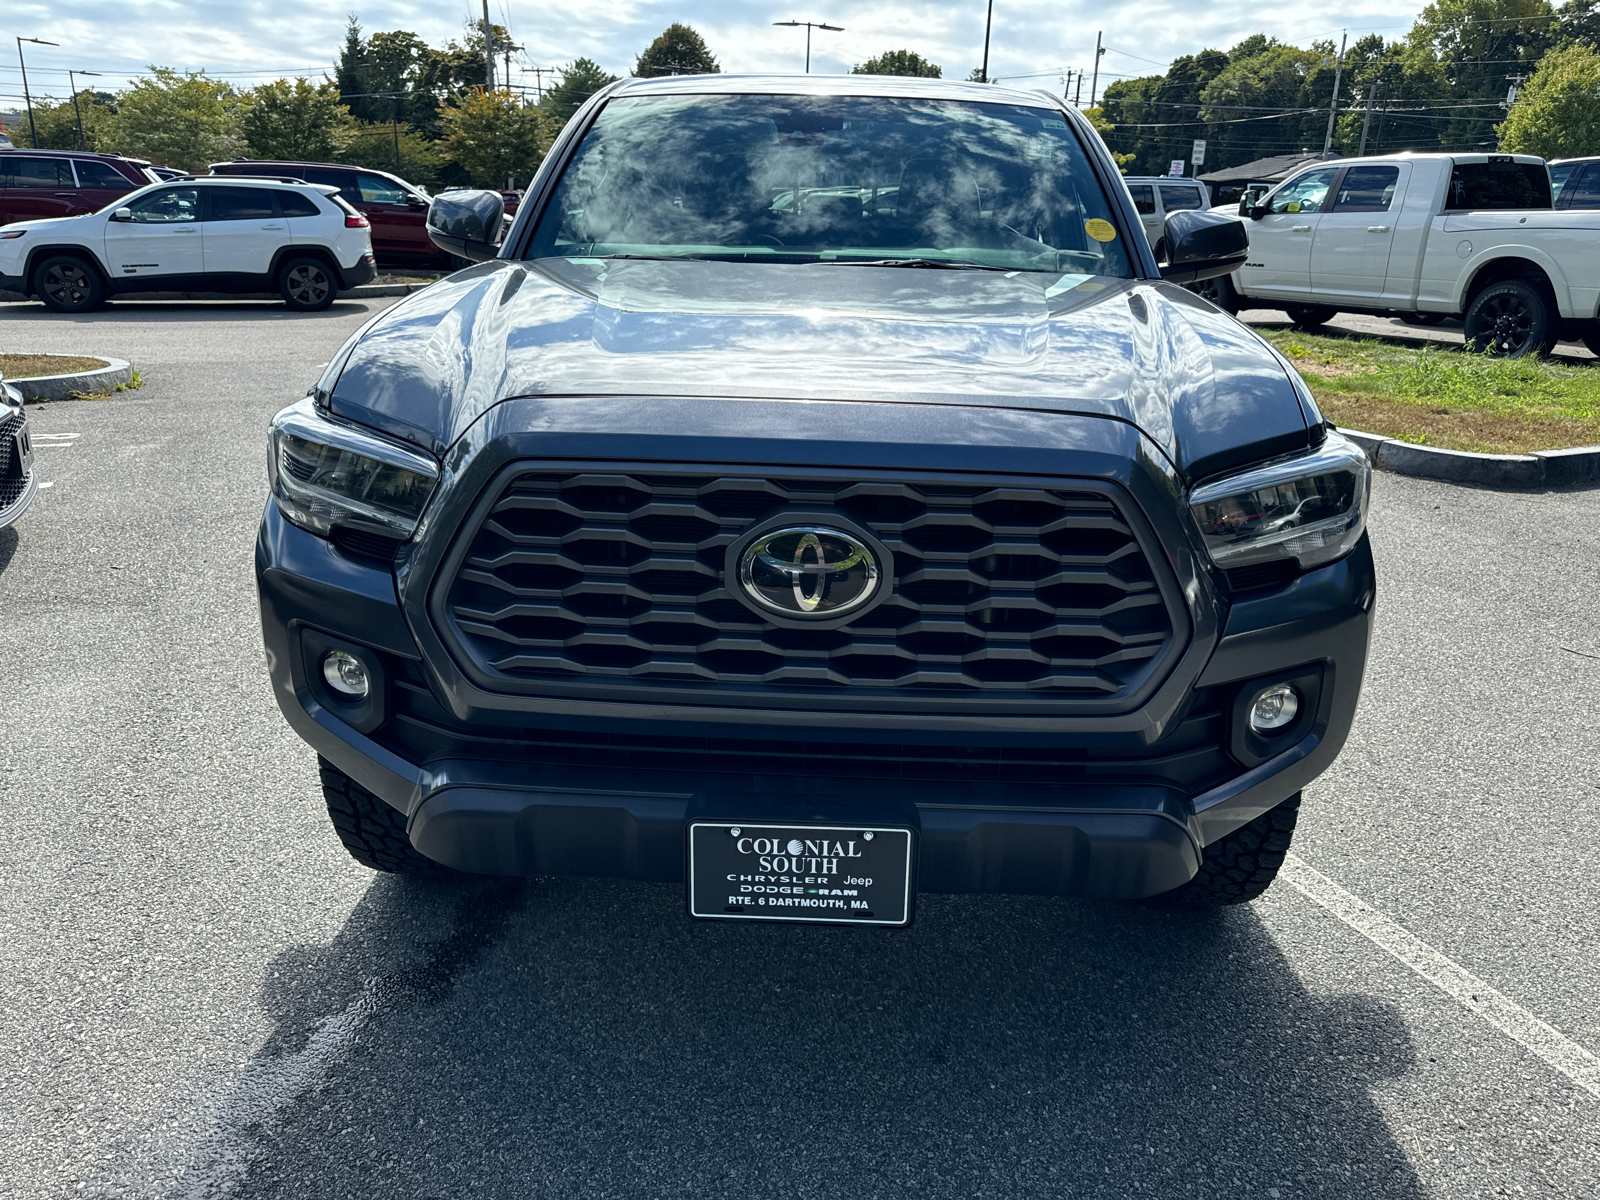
{"x": 1200, "y": 385}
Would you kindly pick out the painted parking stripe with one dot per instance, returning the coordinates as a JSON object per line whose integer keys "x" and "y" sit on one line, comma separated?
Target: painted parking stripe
{"x": 1505, "y": 1014}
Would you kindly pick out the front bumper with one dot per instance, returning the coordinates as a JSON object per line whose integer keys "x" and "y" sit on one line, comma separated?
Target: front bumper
{"x": 492, "y": 797}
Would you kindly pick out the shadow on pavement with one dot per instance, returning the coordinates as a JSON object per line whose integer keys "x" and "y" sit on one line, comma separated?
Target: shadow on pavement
{"x": 187, "y": 310}
{"x": 583, "y": 1038}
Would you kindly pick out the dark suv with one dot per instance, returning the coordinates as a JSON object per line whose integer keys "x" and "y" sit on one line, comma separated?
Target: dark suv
{"x": 820, "y": 497}
{"x": 1575, "y": 182}
{"x": 397, "y": 210}
{"x": 38, "y": 184}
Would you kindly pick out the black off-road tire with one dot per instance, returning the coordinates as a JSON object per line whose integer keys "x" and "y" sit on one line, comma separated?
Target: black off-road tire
{"x": 373, "y": 832}
{"x": 307, "y": 284}
{"x": 1239, "y": 867}
{"x": 1220, "y": 291}
{"x": 68, "y": 284}
{"x": 1309, "y": 316}
{"x": 1510, "y": 319}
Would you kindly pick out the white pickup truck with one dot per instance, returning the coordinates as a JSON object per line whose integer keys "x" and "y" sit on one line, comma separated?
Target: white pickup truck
{"x": 1421, "y": 237}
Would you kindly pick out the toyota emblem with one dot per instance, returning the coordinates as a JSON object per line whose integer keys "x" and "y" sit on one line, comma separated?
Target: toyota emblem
{"x": 809, "y": 571}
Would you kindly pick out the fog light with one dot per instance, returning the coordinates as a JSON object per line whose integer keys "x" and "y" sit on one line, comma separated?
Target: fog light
{"x": 346, "y": 674}
{"x": 1274, "y": 708}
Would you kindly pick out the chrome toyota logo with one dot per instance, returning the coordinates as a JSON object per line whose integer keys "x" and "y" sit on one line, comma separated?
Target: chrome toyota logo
{"x": 809, "y": 571}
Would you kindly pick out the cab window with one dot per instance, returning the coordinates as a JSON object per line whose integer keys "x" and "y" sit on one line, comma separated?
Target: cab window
{"x": 169, "y": 206}
{"x": 1144, "y": 198}
{"x": 1175, "y": 198}
{"x": 93, "y": 174}
{"x": 1503, "y": 184}
{"x": 1306, "y": 194}
{"x": 377, "y": 190}
{"x": 1367, "y": 189}
{"x": 242, "y": 204}
{"x": 22, "y": 172}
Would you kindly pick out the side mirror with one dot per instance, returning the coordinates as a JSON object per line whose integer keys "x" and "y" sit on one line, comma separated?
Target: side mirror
{"x": 415, "y": 201}
{"x": 467, "y": 223}
{"x": 122, "y": 214}
{"x": 1203, "y": 245}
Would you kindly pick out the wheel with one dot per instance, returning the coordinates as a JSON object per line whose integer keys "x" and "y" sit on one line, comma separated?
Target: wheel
{"x": 1239, "y": 867}
{"x": 373, "y": 832}
{"x": 1309, "y": 316}
{"x": 1220, "y": 291}
{"x": 68, "y": 284}
{"x": 1509, "y": 319}
{"x": 1422, "y": 318}
{"x": 306, "y": 284}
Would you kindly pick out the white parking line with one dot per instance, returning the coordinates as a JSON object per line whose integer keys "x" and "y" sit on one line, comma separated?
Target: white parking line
{"x": 1505, "y": 1014}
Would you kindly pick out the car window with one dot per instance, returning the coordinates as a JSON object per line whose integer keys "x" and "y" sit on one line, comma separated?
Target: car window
{"x": 93, "y": 174}
{"x": 1559, "y": 174}
{"x": 1367, "y": 189}
{"x": 167, "y": 207}
{"x": 242, "y": 204}
{"x": 26, "y": 172}
{"x": 298, "y": 204}
{"x": 1584, "y": 191}
{"x": 821, "y": 177}
{"x": 1305, "y": 194}
{"x": 377, "y": 190}
{"x": 1144, "y": 198}
{"x": 1175, "y": 199}
{"x": 1489, "y": 185}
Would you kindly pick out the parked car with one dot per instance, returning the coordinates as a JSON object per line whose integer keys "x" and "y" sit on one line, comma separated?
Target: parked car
{"x": 19, "y": 483}
{"x": 1418, "y": 236}
{"x": 37, "y": 184}
{"x": 1575, "y": 182}
{"x": 1154, "y": 196}
{"x": 915, "y": 536}
{"x": 194, "y": 234}
{"x": 396, "y": 209}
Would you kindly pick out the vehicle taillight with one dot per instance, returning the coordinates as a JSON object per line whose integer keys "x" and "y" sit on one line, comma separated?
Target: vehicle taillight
{"x": 355, "y": 221}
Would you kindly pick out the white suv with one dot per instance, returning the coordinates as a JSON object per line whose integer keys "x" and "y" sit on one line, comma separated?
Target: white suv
{"x": 200, "y": 233}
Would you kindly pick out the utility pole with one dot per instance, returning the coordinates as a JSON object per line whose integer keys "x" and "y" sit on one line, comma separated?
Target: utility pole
{"x": 538, "y": 79}
{"x": 33, "y": 134}
{"x": 73, "y": 88}
{"x": 988, "y": 23}
{"x": 1077, "y": 101}
{"x": 1333, "y": 109}
{"x": 1066, "y": 84}
{"x": 1372, "y": 90}
{"x": 1094, "y": 86}
{"x": 488, "y": 48}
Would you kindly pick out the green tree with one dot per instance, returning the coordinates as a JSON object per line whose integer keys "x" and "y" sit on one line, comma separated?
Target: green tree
{"x": 900, "y": 62}
{"x": 1097, "y": 119}
{"x": 57, "y": 122}
{"x": 1469, "y": 47}
{"x": 1556, "y": 114}
{"x": 296, "y": 120}
{"x": 352, "y": 68}
{"x": 417, "y": 160}
{"x": 182, "y": 119}
{"x": 678, "y": 51}
{"x": 578, "y": 81}
{"x": 1580, "y": 22}
{"x": 493, "y": 137}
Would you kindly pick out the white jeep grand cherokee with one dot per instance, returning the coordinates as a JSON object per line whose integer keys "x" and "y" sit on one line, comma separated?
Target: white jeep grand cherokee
{"x": 195, "y": 234}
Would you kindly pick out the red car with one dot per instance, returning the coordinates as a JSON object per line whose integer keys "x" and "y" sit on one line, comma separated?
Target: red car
{"x": 35, "y": 184}
{"x": 397, "y": 210}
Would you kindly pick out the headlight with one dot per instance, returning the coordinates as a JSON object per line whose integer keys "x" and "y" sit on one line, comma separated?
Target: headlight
{"x": 1311, "y": 508}
{"x": 325, "y": 474}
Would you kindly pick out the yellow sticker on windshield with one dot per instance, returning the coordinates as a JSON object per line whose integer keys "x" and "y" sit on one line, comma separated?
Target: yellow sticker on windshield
{"x": 1100, "y": 231}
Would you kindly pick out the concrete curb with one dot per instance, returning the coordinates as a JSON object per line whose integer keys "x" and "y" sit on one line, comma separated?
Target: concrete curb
{"x": 59, "y": 387}
{"x": 365, "y": 292}
{"x": 1542, "y": 468}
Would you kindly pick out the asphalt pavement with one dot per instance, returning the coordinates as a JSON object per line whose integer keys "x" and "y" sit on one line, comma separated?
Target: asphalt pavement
{"x": 201, "y": 995}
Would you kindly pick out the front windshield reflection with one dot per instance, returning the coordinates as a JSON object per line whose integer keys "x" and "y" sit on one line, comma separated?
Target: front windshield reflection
{"x": 838, "y": 178}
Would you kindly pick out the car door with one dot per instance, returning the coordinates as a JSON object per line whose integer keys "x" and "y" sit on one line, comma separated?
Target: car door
{"x": 100, "y": 183}
{"x": 160, "y": 238}
{"x": 397, "y": 226}
{"x": 243, "y": 229}
{"x": 1144, "y": 203}
{"x": 1280, "y": 242}
{"x": 39, "y": 187}
{"x": 1350, "y": 250}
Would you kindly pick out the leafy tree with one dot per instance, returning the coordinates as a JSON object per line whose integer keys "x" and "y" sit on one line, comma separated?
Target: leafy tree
{"x": 352, "y": 69}
{"x": 373, "y": 145}
{"x": 678, "y": 51}
{"x": 184, "y": 119}
{"x": 578, "y": 81}
{"x": 900, "y": 62}
{"x": 493, "y": 136}
{"x": 1102, "y": 127}
{"x": 1580, "y": 22}
{"x": 295, "y": 121}
{"x": 1469, "y": 47}
{"x": 1556, "y": 114}
{"x": 57, "y": 122}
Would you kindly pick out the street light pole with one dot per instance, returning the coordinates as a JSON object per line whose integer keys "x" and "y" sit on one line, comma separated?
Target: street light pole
{"x": 78, "y": 112}
{"x": 33, "y": 134}
{"x": 988, "y": 23}
{"x": 810, "y": 25}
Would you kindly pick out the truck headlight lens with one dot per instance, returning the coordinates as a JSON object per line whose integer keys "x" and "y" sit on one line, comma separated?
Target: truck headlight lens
{"x": 1311, "y": 508}
{"x": 325, "y": 474}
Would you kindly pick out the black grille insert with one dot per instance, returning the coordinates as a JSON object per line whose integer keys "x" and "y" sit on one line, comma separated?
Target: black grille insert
{"x": 1001, "y": 592}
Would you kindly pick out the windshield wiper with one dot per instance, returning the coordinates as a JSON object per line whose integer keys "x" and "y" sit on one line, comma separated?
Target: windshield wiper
{"x": 931, "y": 264}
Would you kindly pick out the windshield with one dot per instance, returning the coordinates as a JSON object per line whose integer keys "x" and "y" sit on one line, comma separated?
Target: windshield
{"x": 835, "y": 178}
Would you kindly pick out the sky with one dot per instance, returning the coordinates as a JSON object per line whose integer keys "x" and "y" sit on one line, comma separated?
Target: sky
{"x": 1033, "y": 41}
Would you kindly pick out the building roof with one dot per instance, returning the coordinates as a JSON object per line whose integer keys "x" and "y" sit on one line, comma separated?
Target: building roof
{"x": 1263, "y": 170}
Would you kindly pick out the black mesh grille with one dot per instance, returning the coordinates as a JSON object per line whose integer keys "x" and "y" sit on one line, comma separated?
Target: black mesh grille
{"x": 998, "y": 591}
{"x": 12, "y": 481}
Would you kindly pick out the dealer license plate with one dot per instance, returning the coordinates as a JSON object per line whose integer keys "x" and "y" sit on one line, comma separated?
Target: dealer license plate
{"x": 852, "y": 874}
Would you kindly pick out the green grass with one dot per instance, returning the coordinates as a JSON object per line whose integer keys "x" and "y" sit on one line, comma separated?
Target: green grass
{"x": 1444, "y": 396}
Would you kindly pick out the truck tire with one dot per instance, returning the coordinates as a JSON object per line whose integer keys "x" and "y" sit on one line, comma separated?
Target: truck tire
{"x": 67, "y": 284}
{"x": 1220, "y": 291}
{"x": 1238, "y": 868}
{"x": 1509, "y": 319}
{"x": 307, "y": 284}
{"x": 1309, "y": 316}
{"x": 373, "y": 832}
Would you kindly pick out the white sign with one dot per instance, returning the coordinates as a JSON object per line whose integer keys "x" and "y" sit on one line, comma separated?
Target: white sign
{"x": 1176, "y": 168}
{"x": 1199, "y": 156}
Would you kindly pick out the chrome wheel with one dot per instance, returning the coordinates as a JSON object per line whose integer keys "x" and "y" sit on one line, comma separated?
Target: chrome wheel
{"x": 308, "y": 285}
